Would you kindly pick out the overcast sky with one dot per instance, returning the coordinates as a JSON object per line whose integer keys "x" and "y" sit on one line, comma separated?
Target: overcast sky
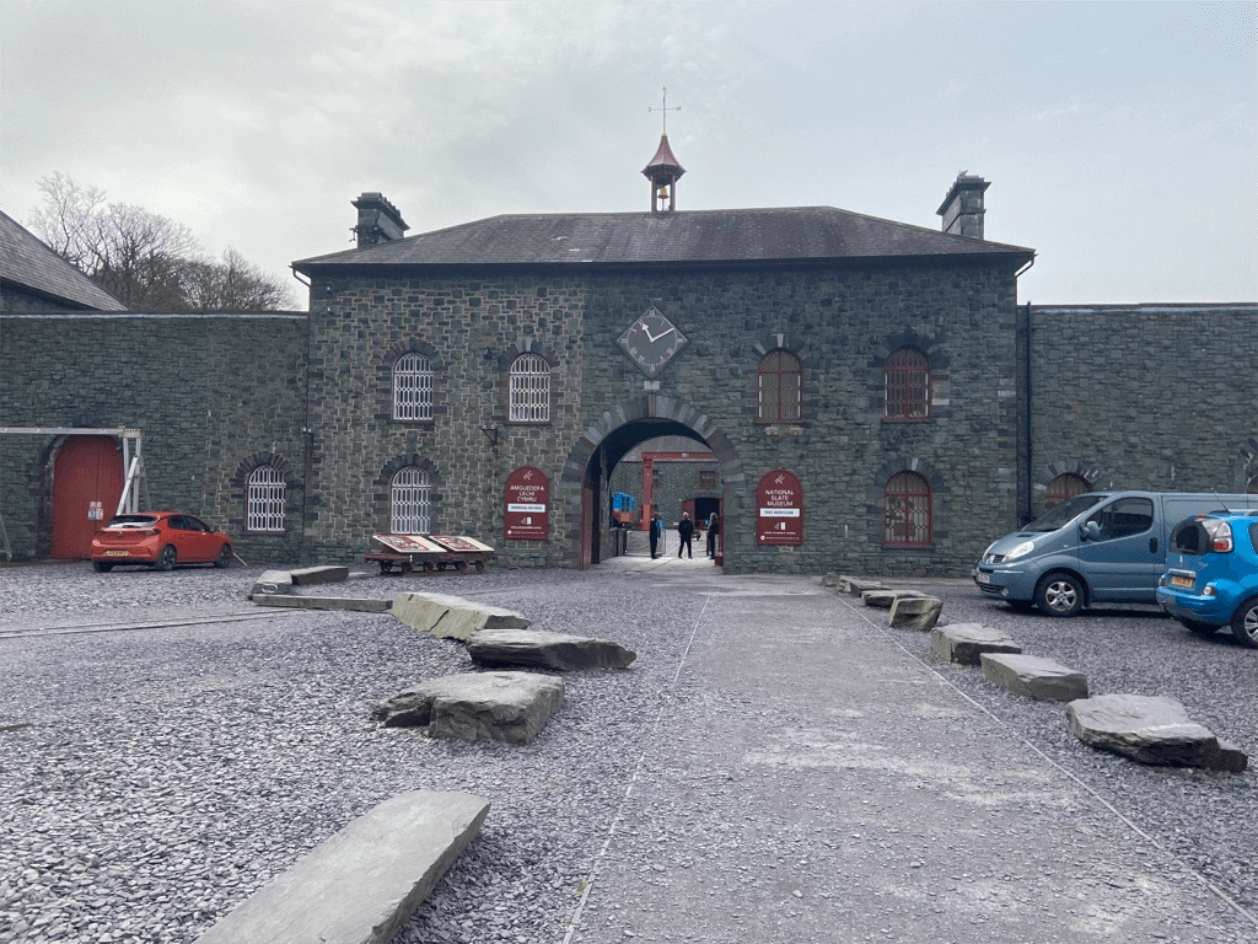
{"x": 1120, "y": 139}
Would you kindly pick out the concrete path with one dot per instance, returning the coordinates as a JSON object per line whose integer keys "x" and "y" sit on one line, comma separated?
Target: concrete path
{"x": 811, "y": 781}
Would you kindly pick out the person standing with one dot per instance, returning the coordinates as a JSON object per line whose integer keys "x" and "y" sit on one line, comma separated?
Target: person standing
{"x": 685, "y": 529}
{"x": 657, "y": 525}
{"x": 714, "y": 530}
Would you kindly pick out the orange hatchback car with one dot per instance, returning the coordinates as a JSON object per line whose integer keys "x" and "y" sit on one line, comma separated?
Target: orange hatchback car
{"x": 159, "y": 539}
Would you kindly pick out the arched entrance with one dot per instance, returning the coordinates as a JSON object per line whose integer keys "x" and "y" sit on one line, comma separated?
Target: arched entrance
{"x": 87, "y": 480}
{"x": 589, "y": 466}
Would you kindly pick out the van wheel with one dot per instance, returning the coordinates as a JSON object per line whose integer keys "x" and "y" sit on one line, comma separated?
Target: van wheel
{"x": 1245, "y": 623}
{"x": 1059, "y": 595}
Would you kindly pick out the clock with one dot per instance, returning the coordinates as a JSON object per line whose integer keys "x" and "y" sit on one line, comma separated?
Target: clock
{"x": 651, "y": 341}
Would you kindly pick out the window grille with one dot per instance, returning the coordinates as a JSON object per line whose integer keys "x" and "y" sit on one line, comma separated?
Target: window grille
{"x": 530, "y": 390}
{"x": 412, "y": 509}
{"x": 1066, "y": 485}
{"x": 707, "y": 479}
{"x": 908, "y": 512}
{"x": 265, "y": 511}
{"x": 778, "y": 388}
{"x": 907, "y": 376}
{"x": 412, "y": 388}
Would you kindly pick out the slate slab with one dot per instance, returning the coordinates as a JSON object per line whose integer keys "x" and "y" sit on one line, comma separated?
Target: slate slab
{"x": 963, "y": 643}
{"x": 884, "y": 598}
{"x": 323, "y": 603}
{"x": 451, "y": 617}
{"x": 855, "y": 586}
{"x": 542, "y": 650}
{"x": 1151, "y": 730}
{"x": 476, "y": 706}
{"x": 311, "y": 576}
{"x": 272, "y": 581}
{"x": 1034, "y": 677}
{"x": 915, "y": 612}
{"x": 363, "y": 883}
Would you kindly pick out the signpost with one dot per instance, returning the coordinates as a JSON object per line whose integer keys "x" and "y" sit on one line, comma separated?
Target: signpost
{"x": 526, "y": 515}
{"x": 779, "y": 509}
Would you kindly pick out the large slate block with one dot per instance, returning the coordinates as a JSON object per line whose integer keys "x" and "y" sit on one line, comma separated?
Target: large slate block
{"x": 476, "y": 706}
{"x": 964, "y": 643}
{"x": 884, "y": 598}
{"x": 453, "y": 617}
{"x": 542, "y": 650}
{"x": 272, "y": 581}
{"x": 310, "y": 576}
{"x": 1151, "y": 730}
{"x": 855, "y": 586}
{"x": 1034, "y": 677}
{"x": 915, "y": 612}
{"x": 363, "y": 883}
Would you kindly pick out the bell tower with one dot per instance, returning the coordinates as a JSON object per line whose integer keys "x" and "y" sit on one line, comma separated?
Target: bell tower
{"x": 664, "y": 171}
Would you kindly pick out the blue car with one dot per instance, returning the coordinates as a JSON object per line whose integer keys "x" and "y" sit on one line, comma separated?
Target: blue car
{"x": 1212, "y": 575}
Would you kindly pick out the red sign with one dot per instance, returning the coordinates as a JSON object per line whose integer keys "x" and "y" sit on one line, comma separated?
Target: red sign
{"x": 779, "y": 509}
{"x": 526, "y": 512}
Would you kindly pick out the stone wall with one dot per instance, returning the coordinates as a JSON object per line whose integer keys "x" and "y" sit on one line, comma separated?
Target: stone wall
{"x": 208, "y": 393}
{"x": 1160, "y": 397}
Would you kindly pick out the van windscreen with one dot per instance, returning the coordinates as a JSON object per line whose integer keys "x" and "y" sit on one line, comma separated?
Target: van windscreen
{"x": 1058, "y": 515}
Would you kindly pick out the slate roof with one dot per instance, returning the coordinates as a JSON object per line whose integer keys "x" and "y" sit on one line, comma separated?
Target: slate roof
{"x": 691, "y": 237}
{"x": 30, "y": 266}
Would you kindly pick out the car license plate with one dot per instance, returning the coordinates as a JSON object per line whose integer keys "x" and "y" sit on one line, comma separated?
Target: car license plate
{"x": 984, "y": 578}
{"x": 1178, "y": 581}
{"x": 117, "y": 553}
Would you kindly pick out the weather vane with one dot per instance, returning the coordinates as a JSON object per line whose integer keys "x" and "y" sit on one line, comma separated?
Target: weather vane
{"x": 665, "y": 109}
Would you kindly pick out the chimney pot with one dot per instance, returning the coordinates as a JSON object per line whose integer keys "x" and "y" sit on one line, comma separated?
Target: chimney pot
{"x": 379, "y": 221}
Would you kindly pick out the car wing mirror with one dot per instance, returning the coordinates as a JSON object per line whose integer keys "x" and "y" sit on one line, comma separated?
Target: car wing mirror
{"x": 1090, "y": 531}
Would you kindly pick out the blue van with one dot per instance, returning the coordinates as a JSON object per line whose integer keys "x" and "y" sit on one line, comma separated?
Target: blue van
{"x": 1098, "y": 547}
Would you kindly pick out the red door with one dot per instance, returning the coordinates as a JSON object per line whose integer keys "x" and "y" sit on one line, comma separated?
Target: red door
{"x": 87, "y": 470}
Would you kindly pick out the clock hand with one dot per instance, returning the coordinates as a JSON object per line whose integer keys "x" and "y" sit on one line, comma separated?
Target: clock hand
{"x": 655, "y": 337}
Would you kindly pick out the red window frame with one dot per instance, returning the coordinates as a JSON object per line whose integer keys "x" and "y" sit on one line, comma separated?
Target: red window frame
{"x": 908, "y": 520}
{"x": 906, "y": 380}
{"x": 779, "y": 388}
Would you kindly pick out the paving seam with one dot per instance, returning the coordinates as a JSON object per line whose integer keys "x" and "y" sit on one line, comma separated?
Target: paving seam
{"x": 1210, "y": 886}
{"x": 129, "y": 627}
{"x": 592, "y": 875}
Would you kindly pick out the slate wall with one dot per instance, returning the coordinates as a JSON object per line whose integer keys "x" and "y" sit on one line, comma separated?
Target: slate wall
{"x": 210, "y": 394}
{"x": 1160, "y": 397}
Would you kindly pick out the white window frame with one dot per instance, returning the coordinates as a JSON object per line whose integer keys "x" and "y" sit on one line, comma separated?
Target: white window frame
{"x": 265, "y": 500}
{"x": 411, "y": 502}
{"x": 412, "y": 389}
{"x": 530, "y": 389}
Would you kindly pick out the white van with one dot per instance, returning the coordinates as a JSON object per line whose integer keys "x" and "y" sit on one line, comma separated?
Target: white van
{"x": 1099, "y": 547}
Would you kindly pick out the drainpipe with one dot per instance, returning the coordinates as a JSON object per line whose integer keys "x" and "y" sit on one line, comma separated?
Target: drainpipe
{"x": 1030, "y": 463}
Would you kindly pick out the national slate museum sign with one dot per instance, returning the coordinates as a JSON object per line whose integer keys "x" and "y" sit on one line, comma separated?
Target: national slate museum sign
{"x": 526, "y": 515}
{"x": 779, "y": 509}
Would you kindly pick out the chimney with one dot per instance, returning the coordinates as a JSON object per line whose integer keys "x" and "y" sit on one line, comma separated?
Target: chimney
{"x": 378, "y": 221}
{"x": 962, "y": 210}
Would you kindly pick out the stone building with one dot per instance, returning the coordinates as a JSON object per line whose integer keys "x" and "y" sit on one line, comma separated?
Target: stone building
{"x": 871, "y": 394}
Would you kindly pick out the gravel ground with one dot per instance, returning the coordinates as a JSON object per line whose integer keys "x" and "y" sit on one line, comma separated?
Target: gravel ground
{"x": 152, "y": 779}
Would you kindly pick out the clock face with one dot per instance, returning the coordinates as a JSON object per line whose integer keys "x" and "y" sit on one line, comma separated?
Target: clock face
{"x": 651, "y": 341}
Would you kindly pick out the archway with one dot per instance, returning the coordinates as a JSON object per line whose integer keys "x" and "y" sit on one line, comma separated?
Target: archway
{"x": 584, "y": 483}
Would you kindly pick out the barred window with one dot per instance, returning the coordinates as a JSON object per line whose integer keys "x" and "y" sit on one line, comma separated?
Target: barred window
{"x": 412, "y": 509}
{"x": 778, "y": 385}
{"x": 412, "y": 388}
{"x": 1066, "y": 485}
{"x": 530, "y": 389}
{"x": 907, "y": 378}
{"x": 265, "y": 499}
{"x": 908, "y": 511}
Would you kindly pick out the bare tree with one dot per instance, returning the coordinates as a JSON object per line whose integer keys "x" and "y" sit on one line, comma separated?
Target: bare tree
{"x": 144, "y": 259}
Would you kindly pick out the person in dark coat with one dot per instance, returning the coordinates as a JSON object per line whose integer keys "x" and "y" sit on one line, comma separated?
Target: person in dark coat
{"x": 657, "y": 525}
{"x": 714, "y": 529}
{"x": 685, "y": 529}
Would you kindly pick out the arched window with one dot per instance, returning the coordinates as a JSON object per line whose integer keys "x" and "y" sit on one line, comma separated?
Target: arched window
{"x": 530, "y": 389}
{"x": 412, "y": 388}
{"x": 778, "y": 398}
{"x": 1066, "y": 485}
{"x": 906, "y": 375}
{"x": 908, "y": 515}
{"x": 264, "y": 501}
{"x": 411, "y": 506}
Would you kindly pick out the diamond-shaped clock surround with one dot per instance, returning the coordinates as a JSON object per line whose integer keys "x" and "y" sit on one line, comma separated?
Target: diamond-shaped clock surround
{"x": 651, "y": 341}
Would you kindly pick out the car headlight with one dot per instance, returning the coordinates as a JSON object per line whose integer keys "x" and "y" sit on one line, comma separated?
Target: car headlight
{"x": 1022, "y": 550}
